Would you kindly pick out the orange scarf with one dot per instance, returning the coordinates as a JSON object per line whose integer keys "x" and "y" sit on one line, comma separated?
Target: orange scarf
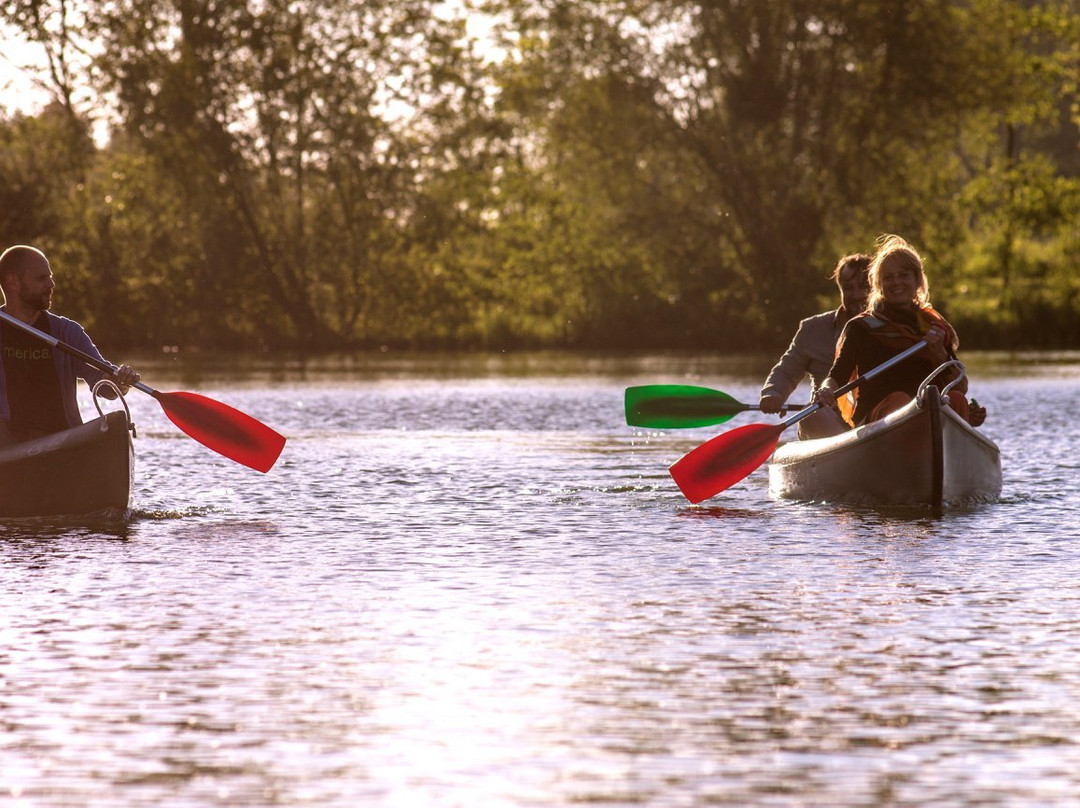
{"x": 900, "y": 335}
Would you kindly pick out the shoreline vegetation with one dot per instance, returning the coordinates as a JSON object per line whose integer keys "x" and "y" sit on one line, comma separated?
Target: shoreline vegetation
{"x": 410, "y": 366}
{"x": 596, "y": 176}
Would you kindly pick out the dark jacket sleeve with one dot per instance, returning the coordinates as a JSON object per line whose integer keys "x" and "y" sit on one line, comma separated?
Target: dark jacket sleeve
{"x": 847, "y": 349}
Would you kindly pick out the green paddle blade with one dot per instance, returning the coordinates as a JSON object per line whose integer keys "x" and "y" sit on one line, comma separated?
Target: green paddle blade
{"x": 679, "y": 406}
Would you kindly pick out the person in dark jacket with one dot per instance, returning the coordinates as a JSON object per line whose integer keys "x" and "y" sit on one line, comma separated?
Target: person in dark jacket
{"x": 898, "y": 315}
{"x": 37, "y": 381}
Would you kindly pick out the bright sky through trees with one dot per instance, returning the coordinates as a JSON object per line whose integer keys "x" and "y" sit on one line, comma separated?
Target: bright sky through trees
{"x": 18, "y": 60}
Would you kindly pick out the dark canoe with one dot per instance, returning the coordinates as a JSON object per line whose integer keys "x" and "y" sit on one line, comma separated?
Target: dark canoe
{"x": 921, "y": 455}
{"x": 84, "y": 470}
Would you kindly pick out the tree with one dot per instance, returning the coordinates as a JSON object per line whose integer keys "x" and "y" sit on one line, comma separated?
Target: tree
{"x": 297, "y": 132}
{"x": 803, "y": 128}
{"x": 613, "y": 173}
{"x": 42, "y": 158}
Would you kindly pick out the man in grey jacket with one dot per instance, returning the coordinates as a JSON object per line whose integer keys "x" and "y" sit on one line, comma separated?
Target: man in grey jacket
{"x": 813, "y": 349}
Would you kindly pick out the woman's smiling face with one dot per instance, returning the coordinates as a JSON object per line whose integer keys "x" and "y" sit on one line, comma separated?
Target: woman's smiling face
{"x": 899, "y": 283}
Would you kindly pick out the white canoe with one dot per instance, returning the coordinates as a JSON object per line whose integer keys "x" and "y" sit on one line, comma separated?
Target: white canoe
{"x": 921, "y": 455}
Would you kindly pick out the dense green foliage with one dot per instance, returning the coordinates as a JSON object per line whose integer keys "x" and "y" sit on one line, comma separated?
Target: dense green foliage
{"x": 589, "y": 173}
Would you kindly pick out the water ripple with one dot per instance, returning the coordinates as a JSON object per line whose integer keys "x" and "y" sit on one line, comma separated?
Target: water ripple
{"x": 488, "y": 592}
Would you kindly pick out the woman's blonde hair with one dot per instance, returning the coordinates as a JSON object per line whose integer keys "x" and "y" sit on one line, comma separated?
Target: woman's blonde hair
{"x": 898, "y": 252}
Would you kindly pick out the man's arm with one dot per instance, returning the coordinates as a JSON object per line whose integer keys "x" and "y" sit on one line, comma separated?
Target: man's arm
{"x": 786, "y": 374}
{"x": 75, "y": 336}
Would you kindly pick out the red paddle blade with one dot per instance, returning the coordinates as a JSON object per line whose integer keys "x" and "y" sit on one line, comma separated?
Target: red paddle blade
{"x": 226, "y": 430}
{"x": 718, "y": 464}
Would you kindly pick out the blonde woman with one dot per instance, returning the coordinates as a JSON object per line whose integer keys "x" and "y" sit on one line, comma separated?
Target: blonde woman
{"x": 898, "y": 314}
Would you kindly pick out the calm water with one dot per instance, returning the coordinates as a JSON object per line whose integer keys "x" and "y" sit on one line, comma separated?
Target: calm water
{"x": 468, "y": 583}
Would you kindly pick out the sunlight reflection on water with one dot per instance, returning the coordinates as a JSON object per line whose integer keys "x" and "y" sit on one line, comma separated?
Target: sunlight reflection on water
{"x": 474, "y": 590}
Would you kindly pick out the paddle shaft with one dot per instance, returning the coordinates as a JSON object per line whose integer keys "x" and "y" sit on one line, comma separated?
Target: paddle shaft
{"x": 743, "y": 407}
{"x": 900, "y": 357}
{"x": 93, "y": 361}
